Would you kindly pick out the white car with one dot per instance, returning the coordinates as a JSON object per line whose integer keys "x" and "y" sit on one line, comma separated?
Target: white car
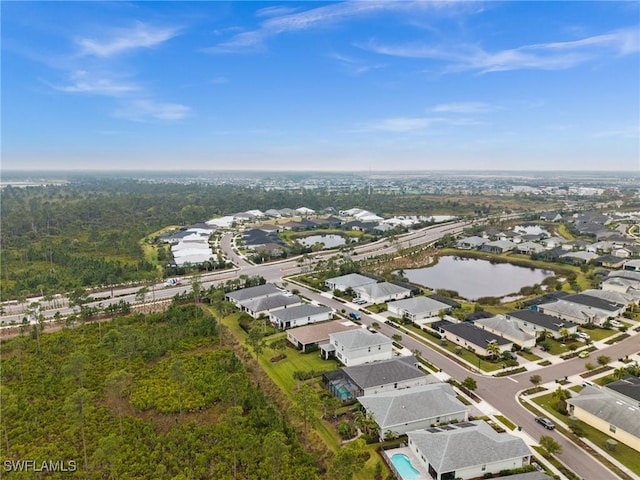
{"x": 583, "y": 335}
{"x": 615, "y": 323}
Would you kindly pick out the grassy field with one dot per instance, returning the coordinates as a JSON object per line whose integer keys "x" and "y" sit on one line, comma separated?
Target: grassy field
{"x": 600, "y": 333}
{"x": 505, "y": 421}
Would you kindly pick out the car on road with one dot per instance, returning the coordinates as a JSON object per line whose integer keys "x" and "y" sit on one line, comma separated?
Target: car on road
{"x": 354, "y": 316}
{"x": 616, "y": 324}
{"x": 583, "y": 354}
{"x": 583, "y": 335}
{"x": 545, "y": 422}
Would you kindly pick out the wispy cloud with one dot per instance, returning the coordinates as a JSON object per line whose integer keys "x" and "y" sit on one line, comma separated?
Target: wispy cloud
{"x": 632, "y": 131}
{"x": 145, "y": 110}
{"x": 464, "y": 107}
{"x": 418, "y": 124}
{"x": 542, "y": 56}
{"x": 354, "y": 66}
{"x": 275, "y": 11}
{"x": 122, "y": 40}
{"x": 83, "y": 82}
{"x": 282, "y": 21}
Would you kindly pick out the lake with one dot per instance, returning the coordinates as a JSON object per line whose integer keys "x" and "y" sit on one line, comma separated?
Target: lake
{"x": 328, "y": 241}
{"x": 473, "y": 278}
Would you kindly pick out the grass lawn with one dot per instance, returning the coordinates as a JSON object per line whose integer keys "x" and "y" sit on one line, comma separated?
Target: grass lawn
{"x": 532, "y": 357}
{"x": 505, "y": 421}
{"x": 599, "y": 333}
{"x": 564, "y": 232}
{"x": 624, "y": 454}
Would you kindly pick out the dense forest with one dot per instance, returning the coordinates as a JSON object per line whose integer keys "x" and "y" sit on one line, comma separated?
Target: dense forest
{"x": 88, "y": 232}
{"x": 160, "y": 396}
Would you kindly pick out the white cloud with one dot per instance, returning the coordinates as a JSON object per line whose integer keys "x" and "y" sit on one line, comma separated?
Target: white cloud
{"x": 354, "y": 66}
{"x": 275, "y": 11}
{"x": 418, "y": 124}
{"x": 464, "y": 107}
{"x": 283, "y": 21}
{"x": 144, "y": 110}
{"x": 83, "y": 82}
{"x": 543, "y": 56}
{"x": 122, "y": 40}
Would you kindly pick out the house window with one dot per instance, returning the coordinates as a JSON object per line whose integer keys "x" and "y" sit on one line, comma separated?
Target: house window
{"x": 612, "y": 428}
{"x": 395, "y": 385}
{"x": 484, "y": 467}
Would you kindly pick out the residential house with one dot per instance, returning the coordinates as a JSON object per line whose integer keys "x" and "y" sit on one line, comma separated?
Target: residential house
{"x": 582, "y": 309}
{"x": 467, "y": 450}
{"x": 576, "y": 245}
{"x": 510, "y": 236}
{"x": 600, "y": 247}
{"x": 372, "y": 378}
{"x": 536, "y": 322}
{"x": 317, "y": 334}
{"x": 355, "y": 347}
{"x": 550, "y": 255}
{"x": 499, "y": 246}
{"x": 263, "y": 305}
{"x": 610, "y": 412}
{"x": 553, "y": 242}
{"x": 577, "y": 258}
{"x": 381, "y": 292}
{"x": 507, "y": 328}
{"x": 471, "y": 337}
{"x": 550, "y": 217}
{"x": 612, "y": 296}
{"x": 352, "y": 280}
{"x": 300, "y": 315}
{"x": 632, "y": 265}
{"x": 401, "y": 411}
{"x": 418, "y": 308}
{"x": 610, "y": 261}
{"x": 527, "y": 248}
{"x": 259, "y": 291}
{"x": 471, "y": 243}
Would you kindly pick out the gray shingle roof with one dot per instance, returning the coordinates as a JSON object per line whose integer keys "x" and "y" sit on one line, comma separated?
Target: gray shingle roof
{"x": 352, "y": 280}
{"x": 505, "y": 325}
{"x": 629, "y": 386}
{"x": 471, "y": 333}
{"x": 553, "y": 324}
{"x": 383, "y": 289}
{"x": 419, "y": 305}
{"x": 360, "y": 338}
{"x": 609, "y": 408}
{"x": 300, "y": 311}
{"x": 269, "y": 303}
{"x": 253, "y": 292}
{"x": 383, "y": 373}
{"x": 410, "y": 405}
{"x": 477, "y": 444}
{"x": 593, "y": 302}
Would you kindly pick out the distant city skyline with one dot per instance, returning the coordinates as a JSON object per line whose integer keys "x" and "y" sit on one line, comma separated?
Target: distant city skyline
{"x": 321, "y": 86}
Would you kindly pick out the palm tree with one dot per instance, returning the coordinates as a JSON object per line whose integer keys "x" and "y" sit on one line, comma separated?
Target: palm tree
{"x": 564, "y": 333}
{"x": 493, "y": 349}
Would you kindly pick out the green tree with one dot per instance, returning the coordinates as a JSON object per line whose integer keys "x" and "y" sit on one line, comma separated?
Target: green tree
{"x": 255, "y": 339}
{"x": 493, "y": 350}
{"x": 348, "y": 460}
{"x": 560, "y": 397}
{"x": 306, "y": 404}
{"x": 603, "y": 360}
{"x": 550, "y": 445}
{"x": 535, "y": 379}
{"x": 77, "y": 408}
{"x": 470, "y": 384}
{"x": 9, "y": 407}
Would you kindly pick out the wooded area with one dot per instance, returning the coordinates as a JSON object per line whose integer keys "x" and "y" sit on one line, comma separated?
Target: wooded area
{"x": 87, "y": 233}
{"x": 157, "y": 396}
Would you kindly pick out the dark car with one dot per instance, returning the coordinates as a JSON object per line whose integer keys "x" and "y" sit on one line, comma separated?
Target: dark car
{"x": 545, "y": 422}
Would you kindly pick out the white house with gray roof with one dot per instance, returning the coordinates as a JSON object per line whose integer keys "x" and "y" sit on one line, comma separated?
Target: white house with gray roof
{"x": 263, "y": 305}
{"x": 471, "y": 243}
{"x": 382, "y": 292}
{"x": 536, "y": 322}
{"x": 258, "y": 291}
{"x": 355, "y": 347}
{"x": 608, "y": 412}
{"x": 467, "y": 450}
{"x": 300, "y": 315}
{"x": 611, "y": 296}
{"x": 352, "y": 280}
{"x": 418, "y": 308}
{"x": 401, "y": 411}
{"x": 498, "y": 246}
{"x": 583, "y": 309}
{"x": 507, "y": 328}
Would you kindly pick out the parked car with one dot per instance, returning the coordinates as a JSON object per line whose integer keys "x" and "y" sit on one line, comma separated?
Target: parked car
{"x": 583, "y": 335}
{"x": 545, "y": 422}
{"x": 616, "y": 324}
{"x": 354, "y": 315}
{"x": 583, "y": 354}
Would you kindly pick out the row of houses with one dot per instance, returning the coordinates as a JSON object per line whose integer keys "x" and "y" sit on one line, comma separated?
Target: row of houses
{"x": 283, "y": 309}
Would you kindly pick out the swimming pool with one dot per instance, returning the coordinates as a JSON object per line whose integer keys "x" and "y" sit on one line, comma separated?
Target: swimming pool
{"x": 403, "y": 466}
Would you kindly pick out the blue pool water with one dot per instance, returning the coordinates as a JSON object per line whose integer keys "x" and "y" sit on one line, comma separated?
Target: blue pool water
{"x": 403, "y": 466}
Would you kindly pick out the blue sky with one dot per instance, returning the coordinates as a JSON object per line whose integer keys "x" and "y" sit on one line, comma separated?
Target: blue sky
{"x": 396, "y": 85}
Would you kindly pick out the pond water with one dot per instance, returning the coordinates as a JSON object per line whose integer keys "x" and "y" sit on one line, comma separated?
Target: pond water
{"x": 328, "y": 241}
{"x": 473, "y": 278}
